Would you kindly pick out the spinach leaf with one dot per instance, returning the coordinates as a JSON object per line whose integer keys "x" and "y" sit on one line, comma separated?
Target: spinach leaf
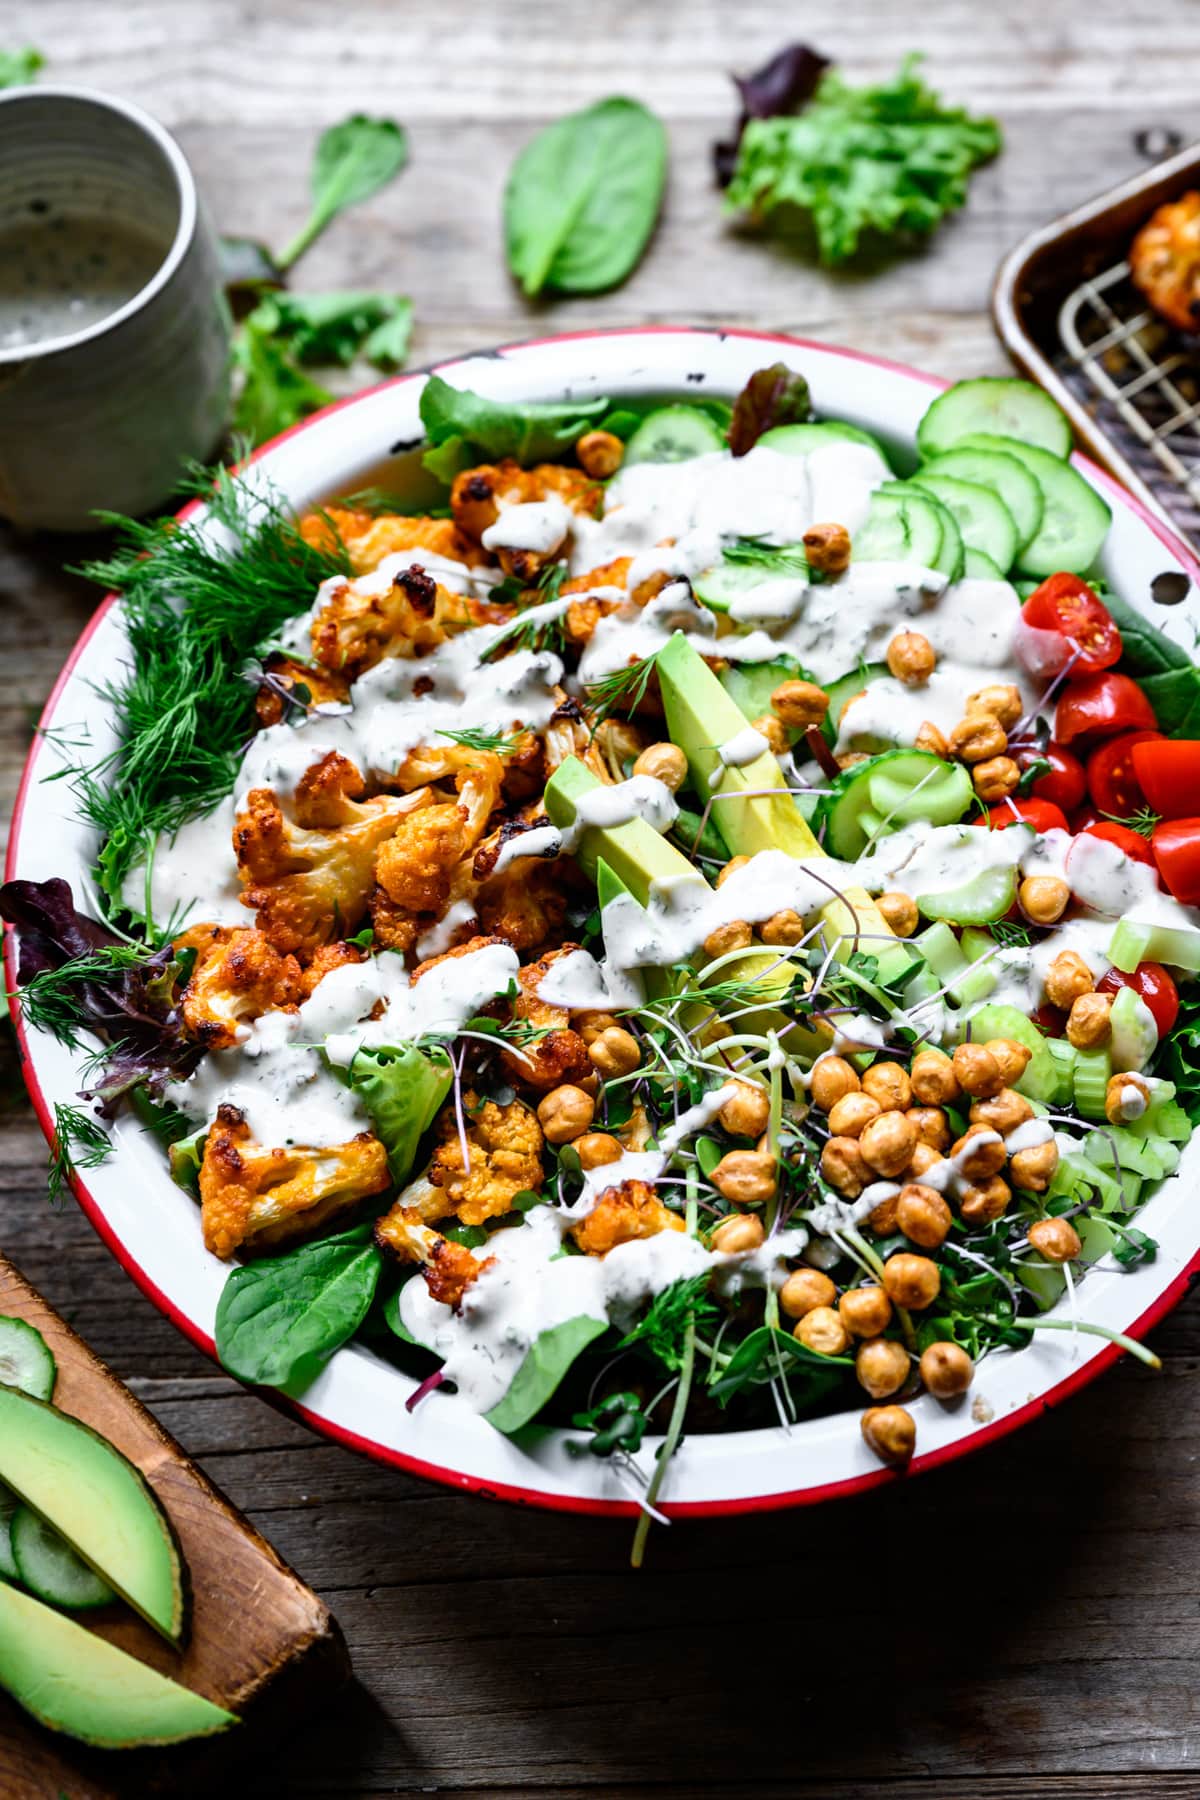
{"x": 19, "y": 67}
{"x": 774, "y": 396}
{"x": 463, "y": 427}
{"x": 886, "y": 160}
{"x": 280, "y": 1320}
{"x": 353, "y": 161}
{"x": 392, "y": 1316}
{"x": 759, "y": 1358}
{"x": 546, "y": 1362}
{"x": 1164, "y": 670}
{"x": 402, "y": 1090}
{"x": 583, "y": 197}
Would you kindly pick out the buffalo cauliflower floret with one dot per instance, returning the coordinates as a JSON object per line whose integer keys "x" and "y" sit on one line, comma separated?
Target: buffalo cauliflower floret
{"x": 254, "y": 1199}
{"x": 427, "y": 861}
{"x": 328, "y": 957}
{"x": 583, "y": 615}
{"x": 556, "y": 1055}
{"x": 622, "y": 1214}
{"x": 479, "y": 495}
{"x": 526, "y": 904}
{"x": 1165, "y": 261}
{"x": 238, "y": 974}
{"x": 288, "y": 684}
{"x": 505, "y": 1158}
{"x": 368, "y": 537}
{"x": 450, "y": 1268}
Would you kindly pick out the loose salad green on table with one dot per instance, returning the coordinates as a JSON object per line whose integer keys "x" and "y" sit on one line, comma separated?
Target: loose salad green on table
{"x": 693, "y": 927}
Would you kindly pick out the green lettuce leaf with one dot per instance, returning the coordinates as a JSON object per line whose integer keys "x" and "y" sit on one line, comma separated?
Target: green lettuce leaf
{"x": 401, "y": 1090}
{"x": 463, "y": 427}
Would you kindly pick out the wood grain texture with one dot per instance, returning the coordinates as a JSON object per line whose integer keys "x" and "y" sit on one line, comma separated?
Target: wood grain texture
{"x": 1022, "y": 1626}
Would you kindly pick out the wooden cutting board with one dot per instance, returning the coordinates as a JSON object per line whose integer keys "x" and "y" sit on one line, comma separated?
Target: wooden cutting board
{"x": 260, "y": 1642}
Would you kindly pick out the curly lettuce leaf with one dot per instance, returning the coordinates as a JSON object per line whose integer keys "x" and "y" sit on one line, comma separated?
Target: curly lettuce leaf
{"x": 402, "y": 1090}
{"x": 889, "y": 160}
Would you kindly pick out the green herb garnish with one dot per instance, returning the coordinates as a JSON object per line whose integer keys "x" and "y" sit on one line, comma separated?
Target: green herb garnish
{"x": 80, "y": 1142}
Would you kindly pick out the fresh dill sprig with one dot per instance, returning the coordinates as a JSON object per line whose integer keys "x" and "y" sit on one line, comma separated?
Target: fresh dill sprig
{"x": 478, "y": 737}
{"x": 55, "y": 1000}
{"x": 1009, "y": 935}
{"x": 1142, "y": 821}
{"x": 622, "y": 691}
{"x": 198, "y": 599}
{"x": 80, "y": 1142}
{"x": 685, "y": 1305}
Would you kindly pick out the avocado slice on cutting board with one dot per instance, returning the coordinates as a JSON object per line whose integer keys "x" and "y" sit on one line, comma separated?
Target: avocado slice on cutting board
{"x": 84, "y": 1686}
{"x": 95, "y": 1499}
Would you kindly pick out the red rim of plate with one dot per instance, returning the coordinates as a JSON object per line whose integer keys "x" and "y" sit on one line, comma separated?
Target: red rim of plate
{"x": 552, "y": 1502}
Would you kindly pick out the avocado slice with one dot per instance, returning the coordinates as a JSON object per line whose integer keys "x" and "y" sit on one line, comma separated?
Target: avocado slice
{"x": 95, "y": 1498}
{"x": 701, "y": 716}
{"x": 84, "y": 1686}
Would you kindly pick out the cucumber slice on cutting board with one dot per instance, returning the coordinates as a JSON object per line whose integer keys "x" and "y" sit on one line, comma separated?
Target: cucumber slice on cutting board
{"x": 50, "y": 1568}
{"x": 673, "y": 434}
{"x": 1001, "y": 474}
{"x": 26, "y": 1360}
{"x": 982, "y": 517}
{"x": 1075, "y": 521}
{"x": 999, "y": 404}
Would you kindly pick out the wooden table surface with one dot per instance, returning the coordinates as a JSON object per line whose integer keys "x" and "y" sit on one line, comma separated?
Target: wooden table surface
{"x": 1023, "y": 1624}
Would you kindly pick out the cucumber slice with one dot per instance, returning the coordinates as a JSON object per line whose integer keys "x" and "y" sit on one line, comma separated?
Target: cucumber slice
{"x": 983, "y": 519}
{"x": 26, "y": 1361}
{"x": 903, "y": 525}
{"x": 999, "y": 404}
{"x": 752, "y": 684}
{"x": 799, "y": 440}
{"x": 1134, "y": 1032}
{"x": 727, "y": 582}
{"x": 985, "y": 897}
{"x": 50, "y": 1568}
{"x": 1134, "y": 942}
{"x": 1062, "y": 1055}
{"x": 940, "y": 948}
{"x": 894, "y": 788}
{"x": 845, "y": 688}
{"x": 980, "y": 976}
{"x": 1075, "y": 521}
{"x": 1001, "y": 474}
{"x": 949, "y": 555}
{"x": 1093, "y": 1070}
{"x": 978, "y": 566}
{"x": 1041, "y": 1079}
{"x": 9, "y": 1504}
{"x": 673, "y": 434}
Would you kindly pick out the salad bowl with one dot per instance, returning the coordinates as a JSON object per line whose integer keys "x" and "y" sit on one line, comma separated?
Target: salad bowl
{"x": 359, "y": 1398}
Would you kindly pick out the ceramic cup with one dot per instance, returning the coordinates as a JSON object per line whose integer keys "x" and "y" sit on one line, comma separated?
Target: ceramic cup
{"x": 100, "y": 218}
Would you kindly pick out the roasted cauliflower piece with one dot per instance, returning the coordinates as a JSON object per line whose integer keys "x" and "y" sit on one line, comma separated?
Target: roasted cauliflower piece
{"x": 1164, "y": 261}
{"x": 421, "y": 868}
{"x": 479, "y": 495}
{"x": 238, "y": 974}
{"x": 622, "y": 1214}
{"x": 285, "y": 678}
{"x": 526, "y": 904}
{"x": 328, "y": 957}
{"x": 450, "y": 1268}
{"x": 505, "y": 1157}
{"x": 253, "y": 1199}
{"x": 560, "y": 1054}
{"x": 583, "y": 615}
{"x": 368, "y": 537}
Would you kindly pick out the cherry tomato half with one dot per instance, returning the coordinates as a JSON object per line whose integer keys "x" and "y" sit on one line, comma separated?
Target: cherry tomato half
{"x": 1131, "y": 842}
{"x": 1111, "y": 778}
{"x": 1176, "y": 847}
{"x": 1156, "y": 988}
{"x": 1064, "y": 782}
{"x": 1065, "y": 604}
{"x": 1100, "y": 706}
{"x": 1169, "y": 775}
{"x": 1043, "y": 815}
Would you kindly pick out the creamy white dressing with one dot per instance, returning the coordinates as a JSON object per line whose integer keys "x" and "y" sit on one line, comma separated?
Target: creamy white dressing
{"x": 926, "y": 860}
{"x": 617, "y": 803}
{"x": 744, "y": 747}
{"x": 193, "y": 876}
{"x": 441, "y": 936}
{"x": 539, "y": 525}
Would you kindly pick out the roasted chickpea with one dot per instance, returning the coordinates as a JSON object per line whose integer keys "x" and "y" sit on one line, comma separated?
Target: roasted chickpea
{"x": 891, "y": 1433}
{"x": 747, "y": 1111}
{"x": 911, "y": 1281}
{"x": 600, "y": 453}
{"x": 775, "y": 732}
{"x": 931, "y": 1126}
{"x": 827, "y": 548}
{"x": 1011, "y": 1057}
{"x": 590, "y": 1025}
{"x": 849, "y": 1115}
{"x": 887, "y": 1143}
{"x": 731, "y": 868}
{"x": 1032, "y": 1169}
{"x": 832, "y": 1077}
{"x": 888, "y": 1083}
{"x": 663, "y": 762}
{"x": 899, "y": 912}
{"x": 1126, "y": 1098}
{"x": 1003, "y": 1112}
{"x": 933, "y": 1080}
{"x": 996, "y": 778}
{"x": 804, "y": 1291}
{"x": 1001, "y": 699}
{"x": 978, "y": 1153}
{"x": 1043, "y": 898}
{"x": 911, "y": 658}
{"x": 866, "y": 1311}
{"x": 978, "y": 1072}
{"x": 615, "y": 1052}
{"x": 977, "y": 738}
{"x": 1089, "y": 1022}
{"x": 565, "y": 1113}
{"x": 882, "y": 1218}
{"x": 739, "y": 1233}
{"x": 596, "y": 1148}
{"x": 783, "y": 927}
{"x": 923, "y": 1215}
{"x": 1066, "y": 979}
{"x": 1055, "y": 1239}
{"x": 800, "y": 704}
{"x": 946, "y": 1370}
{"x": 881, "y": 1367}
{"x": 734, "y": 936}
{"x": 745, "y": 1176}
{"x": 931, "y": 740}
{"x": 984, "y": 1201}
{"x": 843, "y": 1167}
{"x": 924, "y": 1157}
{"x": 822, "y": 1330}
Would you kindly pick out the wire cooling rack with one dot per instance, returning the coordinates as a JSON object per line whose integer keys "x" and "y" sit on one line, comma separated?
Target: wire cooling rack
{"x": 1141, "y": 382}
